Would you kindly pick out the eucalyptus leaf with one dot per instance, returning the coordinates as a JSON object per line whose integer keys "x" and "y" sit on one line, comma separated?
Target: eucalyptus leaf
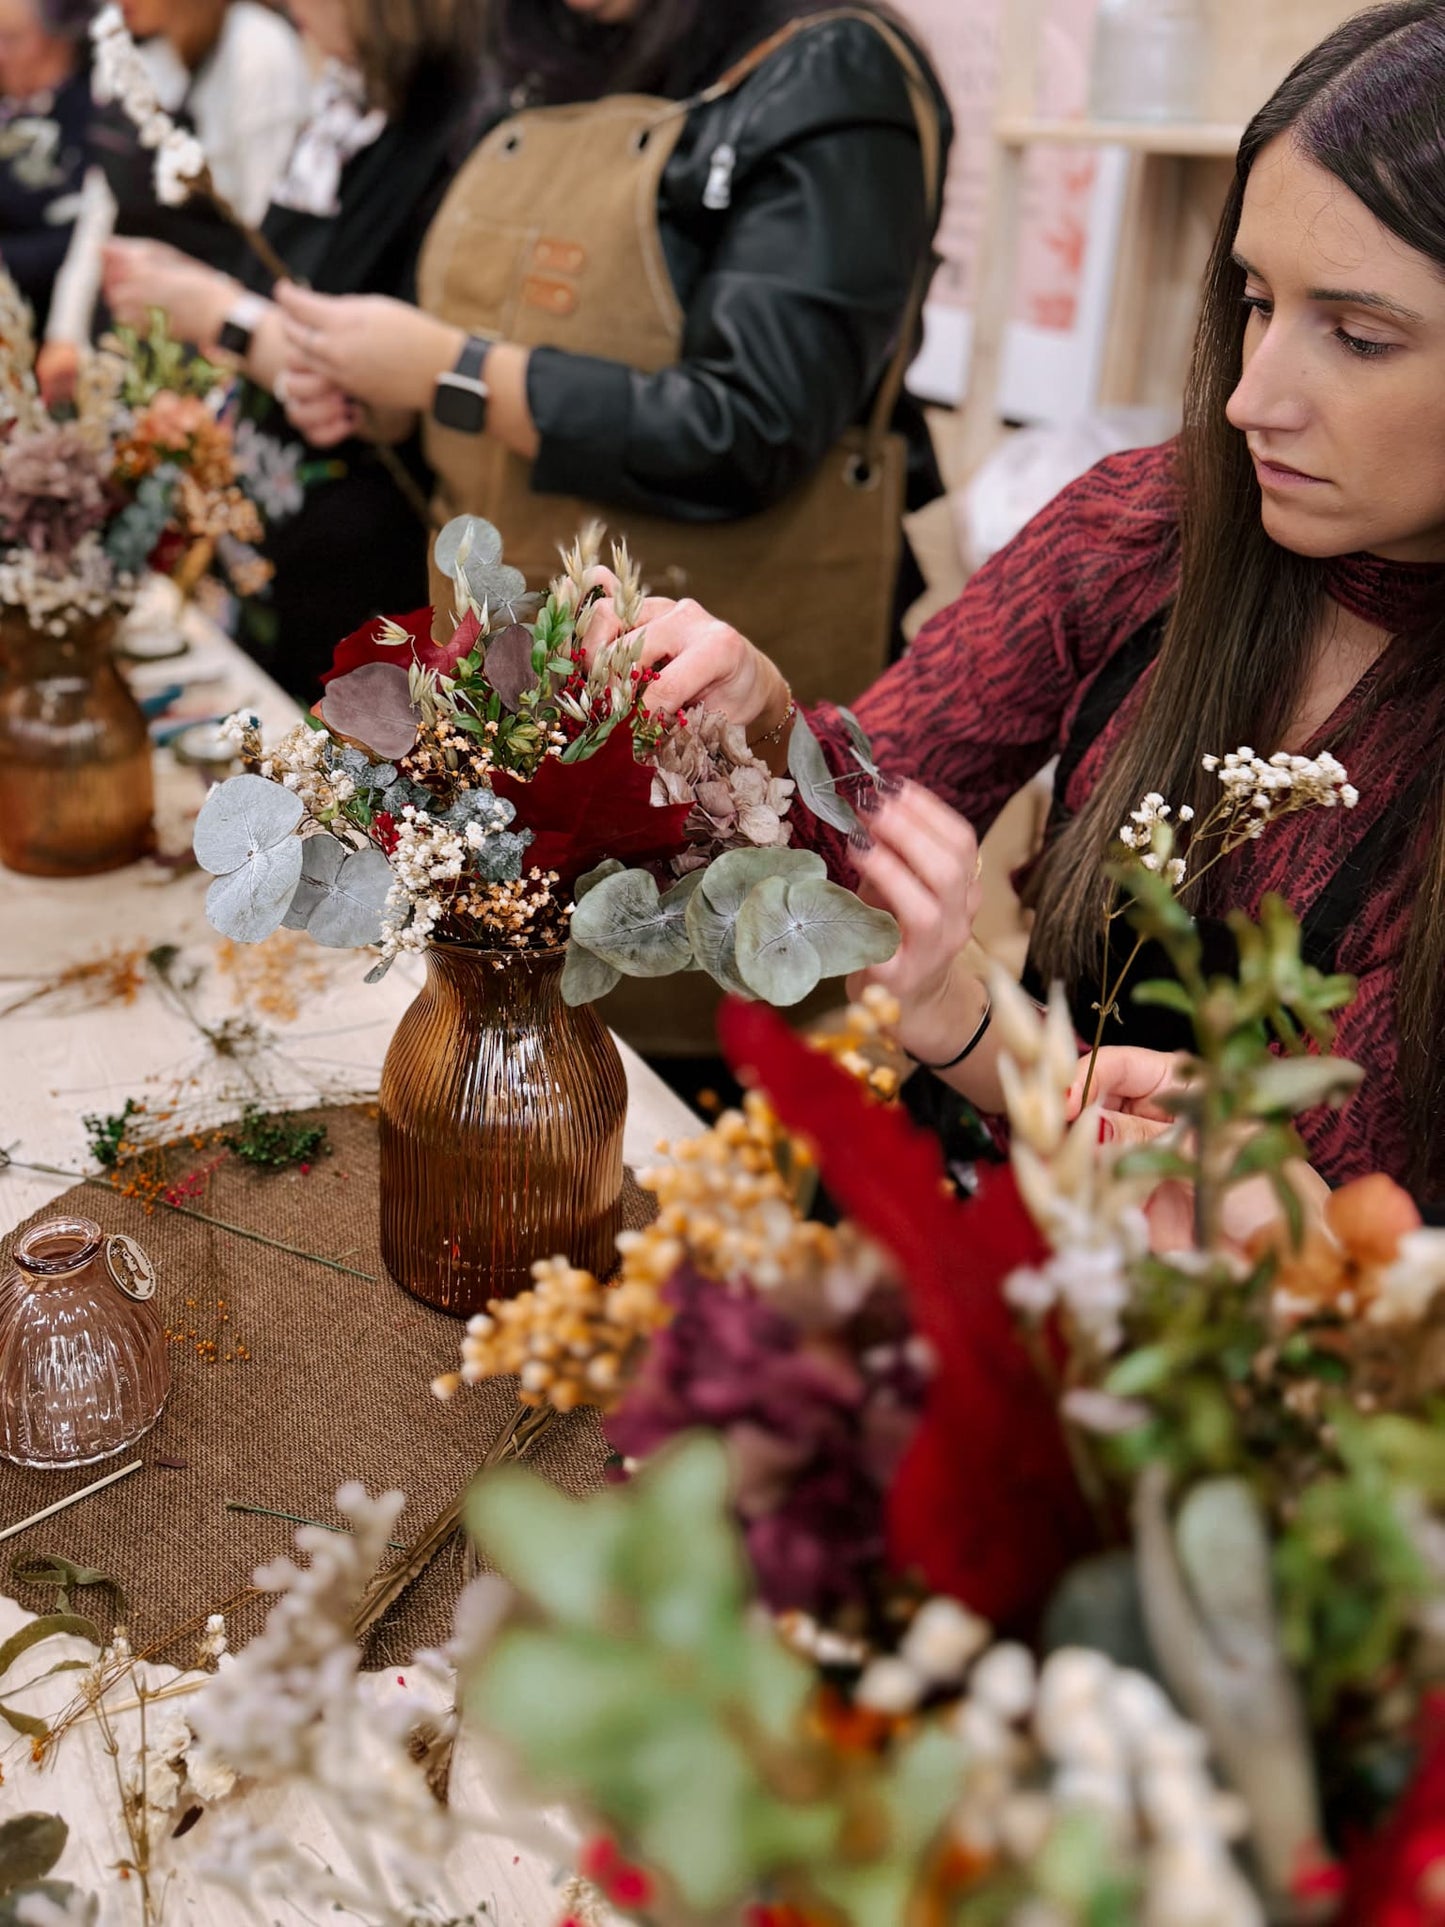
{"x": 809, "y": 769}
{"x": 462, "y": 538}
{"x": 469, "y": 550}
{"x": 250, "y": 903}
{"x": 627, "y": 923}
{"x": 561, "y": 1552}
{"x": 1294, "y": 1084}
{"x": 610, "y": 866}
{"x": 585, "y": 977}
{"x": 712, "y": 913}
{"x": 858, "y": 742}
{"x": 30, "y": 1845}
{"x": 342, "y": 895}
{"x": 240, "y": 817}
{"x": 791, "y": 935}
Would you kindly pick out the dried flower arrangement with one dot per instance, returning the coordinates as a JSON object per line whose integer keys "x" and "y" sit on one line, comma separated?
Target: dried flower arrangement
{"x": 510, "y": 789}
{"x": 1207, "y": 1484}
{"x": 142, "y": 472}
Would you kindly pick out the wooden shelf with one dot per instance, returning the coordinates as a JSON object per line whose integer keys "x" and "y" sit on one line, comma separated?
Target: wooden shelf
{"x": 1193, "y": 140}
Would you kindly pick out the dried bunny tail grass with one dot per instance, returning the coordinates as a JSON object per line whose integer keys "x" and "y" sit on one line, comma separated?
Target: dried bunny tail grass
{"x": 583, "y": 556}
{"x": 19, "y": 393}
{"x": 628, "y": 596}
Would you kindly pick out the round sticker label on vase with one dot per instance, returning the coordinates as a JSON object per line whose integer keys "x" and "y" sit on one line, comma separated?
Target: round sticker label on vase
{"x": 130, "y": 1267}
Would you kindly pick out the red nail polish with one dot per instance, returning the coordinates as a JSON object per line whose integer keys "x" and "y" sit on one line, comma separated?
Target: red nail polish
{"x": 1107, "y": 1132}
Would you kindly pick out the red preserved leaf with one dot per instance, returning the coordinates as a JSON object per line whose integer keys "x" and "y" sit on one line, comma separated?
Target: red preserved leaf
{"x": 986, "y": 1505}
{"x": 363, "y": 645}
{"x": 581, "y": 813}
{"x": 1394, "y": 1879}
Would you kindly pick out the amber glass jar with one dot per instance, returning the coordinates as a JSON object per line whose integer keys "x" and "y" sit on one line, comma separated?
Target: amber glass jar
{"x": 501, "y": 1130}
{"x": 84, "y": 1368}
{"x": 76, "y": 791}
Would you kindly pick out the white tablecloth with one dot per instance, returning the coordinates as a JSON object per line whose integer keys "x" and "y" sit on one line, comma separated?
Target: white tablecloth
{"x": 60, "y": 1060}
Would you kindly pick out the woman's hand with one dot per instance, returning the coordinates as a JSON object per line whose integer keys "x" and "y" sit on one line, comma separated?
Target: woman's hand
{"x": 1134, "y": 1088}
{"x": 379, "y": 351}
{"x": 707, "y": 662}
{"x": 138, "y": 276}
{"x": 918, "y": 859}
{"x": 317, "y": 408}
{"x": 1131, "y": 1083}
{"x": 57, "y": 368}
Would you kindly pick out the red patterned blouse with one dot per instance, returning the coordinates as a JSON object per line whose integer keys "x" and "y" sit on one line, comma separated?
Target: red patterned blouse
{"x": 992, "y": 687}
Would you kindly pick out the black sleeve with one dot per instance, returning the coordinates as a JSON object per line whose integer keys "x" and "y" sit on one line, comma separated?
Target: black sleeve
{"x": 787, "y": 333}
{"x": 33, "y": 258}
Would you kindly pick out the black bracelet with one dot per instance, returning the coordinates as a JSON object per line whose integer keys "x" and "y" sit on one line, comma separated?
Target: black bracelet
{"x": 969, "y": 1048}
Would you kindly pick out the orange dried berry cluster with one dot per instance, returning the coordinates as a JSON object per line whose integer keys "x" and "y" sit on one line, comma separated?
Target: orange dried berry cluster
{"x": 210, "y": 1350}
{"x": 861, "y": 1041}
{"x": 571, "y": 1341}
{"x": 726, "y": 1205}
{"x": 727, "y": 1201}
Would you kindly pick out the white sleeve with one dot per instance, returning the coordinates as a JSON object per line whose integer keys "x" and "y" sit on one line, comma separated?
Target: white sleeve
{"x": 77, "y": 285}
{"x": 250, "y": 105}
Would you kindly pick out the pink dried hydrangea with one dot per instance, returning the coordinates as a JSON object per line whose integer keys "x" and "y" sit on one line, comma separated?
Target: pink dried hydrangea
{"x": 738, "y": 803}
{"x": 52, "y": 490}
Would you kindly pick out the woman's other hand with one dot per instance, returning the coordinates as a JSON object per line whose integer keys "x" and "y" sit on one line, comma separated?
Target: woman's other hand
{"x": 317, "y": 408}
{"x": 918, "y": 859}
{"x": 382, "y": 352}
{"x": 138, "y": 276}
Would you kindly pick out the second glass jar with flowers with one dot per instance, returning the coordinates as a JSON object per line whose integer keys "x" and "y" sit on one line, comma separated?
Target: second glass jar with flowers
{"x": 504, "y": 802}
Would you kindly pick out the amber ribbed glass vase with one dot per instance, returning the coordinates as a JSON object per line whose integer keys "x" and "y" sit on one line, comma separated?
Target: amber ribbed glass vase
{"x": 76, "y": 791}
{"x": 501, "y": 1130}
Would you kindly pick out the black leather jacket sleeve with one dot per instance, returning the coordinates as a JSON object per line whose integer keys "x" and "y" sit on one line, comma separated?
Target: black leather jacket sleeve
{"x": 793, "y": 295}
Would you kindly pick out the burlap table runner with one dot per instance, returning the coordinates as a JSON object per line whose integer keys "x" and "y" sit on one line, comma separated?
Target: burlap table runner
{"x": 334, "y": 1385}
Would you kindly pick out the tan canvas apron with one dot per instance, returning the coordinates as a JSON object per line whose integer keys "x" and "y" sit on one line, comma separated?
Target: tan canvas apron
{"x": 549, "y": 237}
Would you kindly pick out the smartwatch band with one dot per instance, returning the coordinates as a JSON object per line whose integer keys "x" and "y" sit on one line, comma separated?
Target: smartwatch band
{"x": 238, "y": 330}
{"x": 461, "y": 395}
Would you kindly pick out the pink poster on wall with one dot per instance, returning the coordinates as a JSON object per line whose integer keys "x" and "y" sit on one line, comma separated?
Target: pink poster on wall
{"x": 1061, "y": 184}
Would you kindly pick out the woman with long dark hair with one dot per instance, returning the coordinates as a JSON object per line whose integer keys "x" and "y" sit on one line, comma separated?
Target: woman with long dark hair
{"x": 1275, "y": 580}
{"x": 683, "y": 263}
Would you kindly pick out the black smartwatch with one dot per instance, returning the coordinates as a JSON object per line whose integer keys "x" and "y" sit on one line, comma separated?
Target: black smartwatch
{"x": 237, "y": 330}
{"x": 460, "y": 400}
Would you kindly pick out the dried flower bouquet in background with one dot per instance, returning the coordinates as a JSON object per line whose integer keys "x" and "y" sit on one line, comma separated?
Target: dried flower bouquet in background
{"x": 142, "y": 473}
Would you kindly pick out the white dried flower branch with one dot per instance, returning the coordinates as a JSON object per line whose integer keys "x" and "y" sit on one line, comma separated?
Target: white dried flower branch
{"x": 1257, "y": 792}
{"x": 181, "y": 169}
